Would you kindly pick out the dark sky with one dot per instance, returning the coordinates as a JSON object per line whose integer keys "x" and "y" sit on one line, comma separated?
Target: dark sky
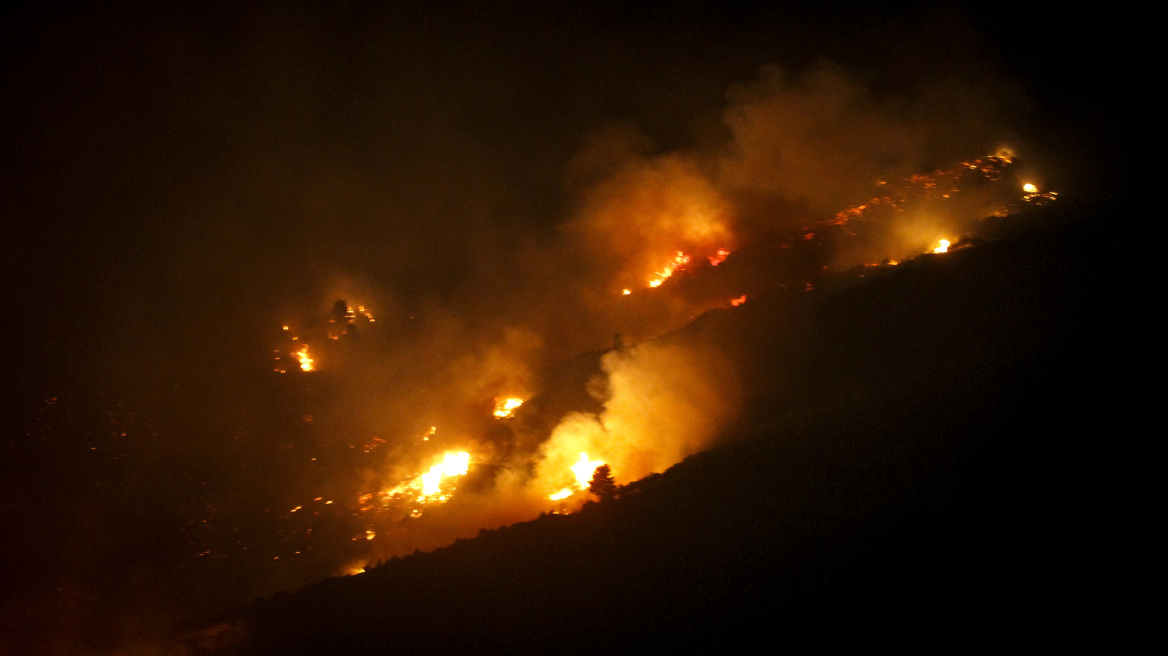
{"x": 167, "y": 164}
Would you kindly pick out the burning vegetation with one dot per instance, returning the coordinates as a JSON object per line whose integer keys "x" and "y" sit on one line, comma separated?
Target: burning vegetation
{"x": 423, "y": 349}
{"x": 657, "y": 403}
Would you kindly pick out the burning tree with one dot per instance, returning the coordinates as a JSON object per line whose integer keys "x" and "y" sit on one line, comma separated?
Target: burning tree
{"x": 602, "y": 484}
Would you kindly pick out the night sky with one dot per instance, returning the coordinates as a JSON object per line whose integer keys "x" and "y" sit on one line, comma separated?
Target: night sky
{"x": 178, "y": 183}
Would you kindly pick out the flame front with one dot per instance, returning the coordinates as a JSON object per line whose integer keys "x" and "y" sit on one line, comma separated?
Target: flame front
{"x": 428, "y": 487}
{"x": 942, "y": 246}
{"x": 582, "y": 470}
{"x": 678, "y": 262}
{"x": 454, "y": 463}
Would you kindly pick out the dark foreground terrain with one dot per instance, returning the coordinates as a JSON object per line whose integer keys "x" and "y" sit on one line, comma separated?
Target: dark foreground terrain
{"x": 929, "y": 459}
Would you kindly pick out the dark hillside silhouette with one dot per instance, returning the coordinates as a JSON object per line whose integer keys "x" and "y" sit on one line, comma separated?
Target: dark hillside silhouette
{"x": 923, "y": 466}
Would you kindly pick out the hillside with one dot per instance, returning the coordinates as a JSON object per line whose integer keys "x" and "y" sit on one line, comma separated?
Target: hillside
{"x": 921, "y": 464}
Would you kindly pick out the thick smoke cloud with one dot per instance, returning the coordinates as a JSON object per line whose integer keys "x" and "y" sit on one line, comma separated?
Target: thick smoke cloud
{"x": 798, "y": 146}
{"x": 818, "y": 139}
{"x": 662, "y": 402}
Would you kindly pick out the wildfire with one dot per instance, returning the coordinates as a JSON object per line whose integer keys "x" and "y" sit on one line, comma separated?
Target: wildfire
{"x": 431, "y": 486}
{"x": 419, "y": 490}
{"x": 1032, "y": 194}
{"x": 942, "y": 184}
{"x": 505, "y": 407}
{"x": 306, "y": 362}
{"x": 582, "y": 470}
{"x": 678, "y": 263}
{"x": 453, "y": 464}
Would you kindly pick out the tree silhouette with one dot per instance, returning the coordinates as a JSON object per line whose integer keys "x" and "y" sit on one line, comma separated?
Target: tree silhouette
{"x": 602, "y": 484}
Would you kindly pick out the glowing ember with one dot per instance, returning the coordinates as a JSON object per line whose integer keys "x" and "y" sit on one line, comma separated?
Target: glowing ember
{"x": 943, "y": 246}
{"x": 901, "y": 194}
{"x": 306, "y": 362}
{"x": 505, "y": 408}
{"x": 738, "y": 301}
{"x": 626, "y": 292}
{"x": 719, "y": 257}
{"x": 678, "y": 263}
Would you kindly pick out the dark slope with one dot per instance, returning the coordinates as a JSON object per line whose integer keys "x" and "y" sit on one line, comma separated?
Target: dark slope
{"x": 924, "y": 464}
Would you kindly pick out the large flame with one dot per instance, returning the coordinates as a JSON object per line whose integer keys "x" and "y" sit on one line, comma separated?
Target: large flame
{"x": 583, "y": 470}
{"x": 431, "y": 486}
{"x": 454, "y": 463}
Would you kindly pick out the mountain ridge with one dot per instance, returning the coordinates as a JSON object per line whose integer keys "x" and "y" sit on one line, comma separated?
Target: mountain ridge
{"x": 877, "y": 496}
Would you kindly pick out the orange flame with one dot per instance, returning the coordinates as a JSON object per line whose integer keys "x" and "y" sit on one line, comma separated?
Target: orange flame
{"x": 454, "y": 463}
{"x": 582, "y": 470}
{"x": 505, "y": 407}
{"x": 678, "y": 263}
{"x": 424, "y": 488}
{"x": 306, "y": 362}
